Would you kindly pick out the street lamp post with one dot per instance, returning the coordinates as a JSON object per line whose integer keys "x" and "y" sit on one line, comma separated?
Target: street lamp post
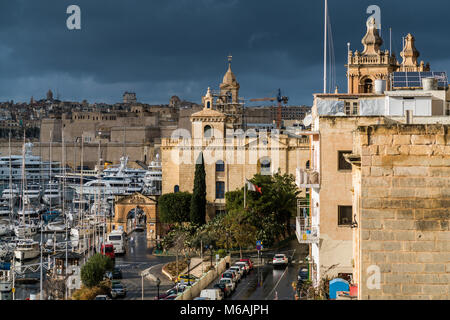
{"x": 210, "y": 250}
{"x": 189, "y": 270}
{"x": 158, "y": 282}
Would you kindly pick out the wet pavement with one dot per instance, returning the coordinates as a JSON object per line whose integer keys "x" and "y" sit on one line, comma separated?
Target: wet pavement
{"x": 266, "y": 282}
{"x": 138, "y": 258}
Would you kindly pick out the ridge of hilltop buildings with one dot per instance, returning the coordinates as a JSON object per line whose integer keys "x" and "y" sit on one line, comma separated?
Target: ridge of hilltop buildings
{"x": 130, "y": 126}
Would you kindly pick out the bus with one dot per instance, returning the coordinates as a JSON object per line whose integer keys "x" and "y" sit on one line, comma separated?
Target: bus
{"x": 118, "y": 239}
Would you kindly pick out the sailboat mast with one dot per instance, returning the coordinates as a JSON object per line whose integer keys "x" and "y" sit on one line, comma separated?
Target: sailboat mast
{"x": 325, "y": 49}
{"x": 10, "y": 181}
{"x": 23, "y": 179}
{"x": 63, "y": 203}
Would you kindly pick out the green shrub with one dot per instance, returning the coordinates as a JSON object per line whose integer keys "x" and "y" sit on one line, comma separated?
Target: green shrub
{"x": 94, "y": 269}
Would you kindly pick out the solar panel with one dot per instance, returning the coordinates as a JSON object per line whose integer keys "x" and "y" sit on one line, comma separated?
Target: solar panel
{"x": 414, "y": 79}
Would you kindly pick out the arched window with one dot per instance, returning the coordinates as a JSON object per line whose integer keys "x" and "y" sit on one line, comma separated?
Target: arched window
{"x": 220, "y": 166}
{"x": 368, "y": 86}
{"x": 208, "y": 105}
{"x": 307, "y": 164}
{"x": 207, "y": 132}
{"x": 176, "y": 189}
{"x": 265, "y": 166}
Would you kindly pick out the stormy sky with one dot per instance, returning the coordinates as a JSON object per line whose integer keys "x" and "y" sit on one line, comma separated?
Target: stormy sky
{"x": 160, "y": 48}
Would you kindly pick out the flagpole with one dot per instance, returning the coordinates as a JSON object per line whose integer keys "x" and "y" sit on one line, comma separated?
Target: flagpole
{"x": 245, "y": 194}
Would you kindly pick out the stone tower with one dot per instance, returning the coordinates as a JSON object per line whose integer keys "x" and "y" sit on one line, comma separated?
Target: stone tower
{"x": 50, "y": 95}
{"x": 372, "y": 63}
{"x": 228, "y": 100}
{"x": 410, "y": 55}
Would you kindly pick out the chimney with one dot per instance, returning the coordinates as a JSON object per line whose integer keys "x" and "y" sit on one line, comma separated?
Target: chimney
{"x": 409, "y": 116}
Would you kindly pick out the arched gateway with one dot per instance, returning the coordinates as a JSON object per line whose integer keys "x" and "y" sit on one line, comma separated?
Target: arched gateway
{"x": 135, "y": 209}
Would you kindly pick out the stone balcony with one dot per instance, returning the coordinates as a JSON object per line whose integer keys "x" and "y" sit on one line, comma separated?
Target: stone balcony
{"x": 308, "y": 178}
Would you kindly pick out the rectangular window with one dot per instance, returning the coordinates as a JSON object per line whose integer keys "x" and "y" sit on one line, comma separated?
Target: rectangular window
{"x": 355, "y": 108}
{"x": 342, "y": 164}
{"x": 344, "y": 215}
{"x": 347, "y": 108}
{"x": 220, "y": 190}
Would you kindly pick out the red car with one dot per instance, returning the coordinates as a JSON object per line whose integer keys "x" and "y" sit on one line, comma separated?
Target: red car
{"x": 250, "y": 263}
{"x": 108, "y": 250}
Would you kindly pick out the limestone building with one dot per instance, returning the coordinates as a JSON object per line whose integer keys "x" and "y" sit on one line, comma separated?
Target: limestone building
{"x": 374, "y": 64}
{"x": 401, "y": 235}
{"x": 334, "y": 212}
{"x": 230, "y": 156}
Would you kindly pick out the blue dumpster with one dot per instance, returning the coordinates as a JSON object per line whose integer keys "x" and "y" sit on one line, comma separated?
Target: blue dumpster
{"x": 338, "y": 285}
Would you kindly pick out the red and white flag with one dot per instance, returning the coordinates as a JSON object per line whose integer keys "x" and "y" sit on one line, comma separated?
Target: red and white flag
{"x": 253, "y": 187}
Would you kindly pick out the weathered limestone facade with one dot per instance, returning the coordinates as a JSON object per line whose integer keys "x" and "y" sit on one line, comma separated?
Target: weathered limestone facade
{"x": 149, "y": 205}
{"x": 229, "y": 159}
{"x": 401, "y": 179}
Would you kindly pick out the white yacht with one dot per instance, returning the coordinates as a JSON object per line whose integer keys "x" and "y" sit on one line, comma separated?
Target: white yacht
{"x": 27, "y": 249}
{"x": 4, "y": 230}
{"x": 35, "y": 169}
{"x": 32, "y": 193}
{"x": 153, "y": 177}
{"x": 115, "y": 181}
{"x": 52, "y": 194}
{"x": 11, "y": 194}
{"x": 4, "y": 210}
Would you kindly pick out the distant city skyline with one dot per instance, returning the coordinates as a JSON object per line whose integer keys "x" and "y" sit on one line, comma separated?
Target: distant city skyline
{"x": 159, "y": 49}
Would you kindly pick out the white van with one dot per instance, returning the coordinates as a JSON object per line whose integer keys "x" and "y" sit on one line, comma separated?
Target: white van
{"x": 118, "y": 239}
{"x": 212, "y": 294}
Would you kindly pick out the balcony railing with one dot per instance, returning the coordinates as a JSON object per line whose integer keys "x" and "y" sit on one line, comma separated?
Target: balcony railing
{"x": 306, "y": 233}
{"x": 307, "y": 178}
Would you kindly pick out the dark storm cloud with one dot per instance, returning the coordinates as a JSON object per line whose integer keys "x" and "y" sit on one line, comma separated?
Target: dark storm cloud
{"x": 164, "y": 47}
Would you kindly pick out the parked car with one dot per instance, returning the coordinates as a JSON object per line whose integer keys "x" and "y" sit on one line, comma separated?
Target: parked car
{"x": 117, "y": 274}
{"x": 236, "y": 273}
{"x": 182, "y": 286}
{"x": 229, "y": 275}
{"x": 102, "y": 297}
{"x": 185, "y": 278}
{"x": 229, "y": 283}
{"x": 280, "y": 260}
{"x": 118, "y": 290}
{"x": 242, "y": 269}
{"x": 245, "y": 265}
{"x": 249, "y": 261}
{"x": 226, "y": 291}
{"x": 171, "y": 297}
{"x": 302, "y": 274}
{"x": 174, "y": 290}
{"x": 212, "y": 294}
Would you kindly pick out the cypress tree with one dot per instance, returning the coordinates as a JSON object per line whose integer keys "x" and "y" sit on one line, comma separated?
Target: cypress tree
{"x": 198, "y": 203}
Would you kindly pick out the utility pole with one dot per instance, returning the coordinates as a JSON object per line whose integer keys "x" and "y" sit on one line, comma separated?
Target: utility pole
{"x": 325, "y": 49}
{"x": 142, "y": 284}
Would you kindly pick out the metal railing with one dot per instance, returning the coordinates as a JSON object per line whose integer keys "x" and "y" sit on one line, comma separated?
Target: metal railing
{"x": 305, "y": 232}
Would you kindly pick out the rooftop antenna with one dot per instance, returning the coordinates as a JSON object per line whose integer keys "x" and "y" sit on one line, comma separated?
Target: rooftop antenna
{"x": 348, "y": 72}
{"x": 230, "y": 59}
{"x": 390, "y": 41}
{"x": 325, "y": 49}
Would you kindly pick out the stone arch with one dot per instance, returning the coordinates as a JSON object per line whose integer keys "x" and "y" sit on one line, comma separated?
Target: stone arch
{"x": 367, "y": 85}
{"x": 128, "y": 207}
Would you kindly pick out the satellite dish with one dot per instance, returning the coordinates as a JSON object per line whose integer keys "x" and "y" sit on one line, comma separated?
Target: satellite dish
{"x": 340, "y": 114}
{"x": 308, "y": 120}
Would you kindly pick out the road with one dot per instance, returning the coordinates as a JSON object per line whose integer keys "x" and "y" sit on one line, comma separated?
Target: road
{"x": 266, "y": 282}
{"x": 138, "y": 258}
